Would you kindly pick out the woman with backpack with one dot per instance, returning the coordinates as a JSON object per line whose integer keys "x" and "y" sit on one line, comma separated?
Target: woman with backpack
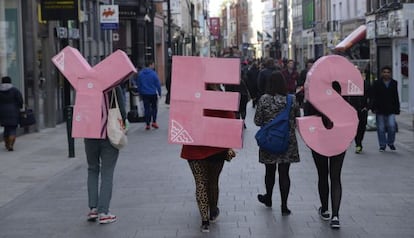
{"x": 269, "y": 106}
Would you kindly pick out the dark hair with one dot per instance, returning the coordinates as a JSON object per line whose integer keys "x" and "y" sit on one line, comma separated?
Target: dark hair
{"x": 148, "y": 63}
{"x": 6, "y": 79}
{"x": 386, "y": 68}
{"x": 269, "y": 63}
{"x": 276, "y": 84}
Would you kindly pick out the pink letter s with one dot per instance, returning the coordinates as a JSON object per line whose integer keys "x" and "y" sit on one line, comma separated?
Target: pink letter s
{"x": 319, "y": 92}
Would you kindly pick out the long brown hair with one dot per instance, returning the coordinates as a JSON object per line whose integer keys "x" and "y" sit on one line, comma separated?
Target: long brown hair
{"x": 276, "y": 84}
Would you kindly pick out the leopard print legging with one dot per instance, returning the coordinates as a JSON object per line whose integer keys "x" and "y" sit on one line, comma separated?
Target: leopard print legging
{"x": 206, "y": 175}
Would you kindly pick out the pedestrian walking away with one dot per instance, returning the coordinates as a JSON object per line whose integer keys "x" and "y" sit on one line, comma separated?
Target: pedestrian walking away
{"x": 385, "y": 105}
{"x": 300, "y": 92}
{"x": 242, "y": 89}
{"x": 291, "y": 76}
{"x": 206, "y": 164}
{"x": 102, "y": 157}
{"x": 251, "y": 82}
{"x": 269, "y": 105}
{"x": 266, "y": 72}
{"x": 361, "y": 105}
{"x": 329, "y": 168}
{"x": 11, "y": 101}
{"x": 149, "y": 87}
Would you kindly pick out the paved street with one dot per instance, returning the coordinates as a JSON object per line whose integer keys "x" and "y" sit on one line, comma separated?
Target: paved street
{"x": 43, "y": 192}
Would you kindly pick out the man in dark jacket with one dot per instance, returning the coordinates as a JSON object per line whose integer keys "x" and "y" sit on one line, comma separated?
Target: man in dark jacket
{"x": 385, "y": 104}
{"x": 269, "y": 67}
{"x": 11, "y": 101}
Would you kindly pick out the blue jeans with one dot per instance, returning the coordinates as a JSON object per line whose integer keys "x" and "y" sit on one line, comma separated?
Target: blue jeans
{"x": 386, "y": 128}
{"x": 101, "y": 157}
{"x": 150, "y": 108}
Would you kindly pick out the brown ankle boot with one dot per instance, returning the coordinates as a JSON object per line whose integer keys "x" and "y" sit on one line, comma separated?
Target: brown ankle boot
{"x": 6, "y": 142}
{"x": 12, "y": 139}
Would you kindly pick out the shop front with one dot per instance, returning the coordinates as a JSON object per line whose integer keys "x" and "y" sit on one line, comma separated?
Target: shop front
{"x": 391, "y": 36}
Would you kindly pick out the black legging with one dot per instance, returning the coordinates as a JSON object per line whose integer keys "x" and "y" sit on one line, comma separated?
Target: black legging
{"x": 329, "y": 166}
{"x": 363, "y": 117}
{"x": 244, "y": 99}
{"x": 284, "y": 181}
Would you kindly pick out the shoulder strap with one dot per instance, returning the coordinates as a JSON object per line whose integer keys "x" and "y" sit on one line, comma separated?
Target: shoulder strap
{"x": 289, "y": 101}
{"x": 114, "y": 99}
{"x": 286, "y": 111}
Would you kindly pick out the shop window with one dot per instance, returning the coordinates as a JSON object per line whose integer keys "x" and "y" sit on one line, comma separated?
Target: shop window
{"x": 10, "y": 60}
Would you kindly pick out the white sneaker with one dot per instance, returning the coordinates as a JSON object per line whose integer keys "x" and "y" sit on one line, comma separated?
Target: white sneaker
{"x": 105, "y": 218}
{"x": 93, "y": 214}
{"x": 335, "y": 223}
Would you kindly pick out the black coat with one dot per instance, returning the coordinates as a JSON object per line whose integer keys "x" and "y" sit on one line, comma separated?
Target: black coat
{"x": 385, "y": 100}
{"x": 251, "y": 81}
{"x": 11, "y": 101}
{"x": 264, "y": 74}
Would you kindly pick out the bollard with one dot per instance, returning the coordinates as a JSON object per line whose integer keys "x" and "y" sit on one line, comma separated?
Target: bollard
{"x": 71, "y": 140}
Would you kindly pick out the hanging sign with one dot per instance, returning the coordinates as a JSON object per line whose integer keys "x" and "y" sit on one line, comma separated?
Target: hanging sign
{"x": 59, "y": 10}
{"x": 109, "y": 15}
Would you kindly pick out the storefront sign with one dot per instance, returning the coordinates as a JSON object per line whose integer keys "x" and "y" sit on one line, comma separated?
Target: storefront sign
{"x": 382, "y": 26}
{"x": 215, "y": 28}
{"x": 370, "y": 23}
{"x": 128, "y": 12}
{"x": 59, "y": 9}
{"x": 109, "y": 15}
{"x": 397, "y": 25}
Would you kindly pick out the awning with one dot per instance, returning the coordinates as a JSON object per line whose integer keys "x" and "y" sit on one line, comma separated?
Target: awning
{"x": 353, "y": 38}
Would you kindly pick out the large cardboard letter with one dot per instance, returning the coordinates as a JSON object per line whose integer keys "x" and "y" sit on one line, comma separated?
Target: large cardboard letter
{"x": 189, "y": 98}
{"x": 89, "y": 114}
{"x": 319, "y": 92}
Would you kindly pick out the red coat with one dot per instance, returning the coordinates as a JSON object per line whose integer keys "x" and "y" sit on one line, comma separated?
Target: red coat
{"x": 196, "y": 152}
{"x": 291, "y": 80}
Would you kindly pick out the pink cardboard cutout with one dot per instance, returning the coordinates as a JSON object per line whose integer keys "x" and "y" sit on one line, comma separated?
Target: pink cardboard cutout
{"x": 189, "y": 98}
{"x": 90, "y": 83}
{"x": 319, "y": 92}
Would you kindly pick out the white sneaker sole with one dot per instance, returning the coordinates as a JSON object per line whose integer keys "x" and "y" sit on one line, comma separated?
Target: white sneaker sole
{"x": 107, "y": 221}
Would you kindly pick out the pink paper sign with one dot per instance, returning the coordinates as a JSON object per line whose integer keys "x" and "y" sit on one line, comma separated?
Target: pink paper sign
{"x": 90, "y": 83}
{"x": 319, "y": 92}
{"x": 189, "y": 99}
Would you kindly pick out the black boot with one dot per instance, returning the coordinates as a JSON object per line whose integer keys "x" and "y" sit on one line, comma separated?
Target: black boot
{"x": 265, "y": 199}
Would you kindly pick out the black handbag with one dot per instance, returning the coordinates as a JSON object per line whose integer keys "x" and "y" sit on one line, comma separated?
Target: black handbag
{"x": 133, "y": 116}
{"x": 27, "y": 118}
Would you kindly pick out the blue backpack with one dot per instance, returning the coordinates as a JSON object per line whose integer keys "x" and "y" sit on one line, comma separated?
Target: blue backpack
{"x": 274, "y": 136}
